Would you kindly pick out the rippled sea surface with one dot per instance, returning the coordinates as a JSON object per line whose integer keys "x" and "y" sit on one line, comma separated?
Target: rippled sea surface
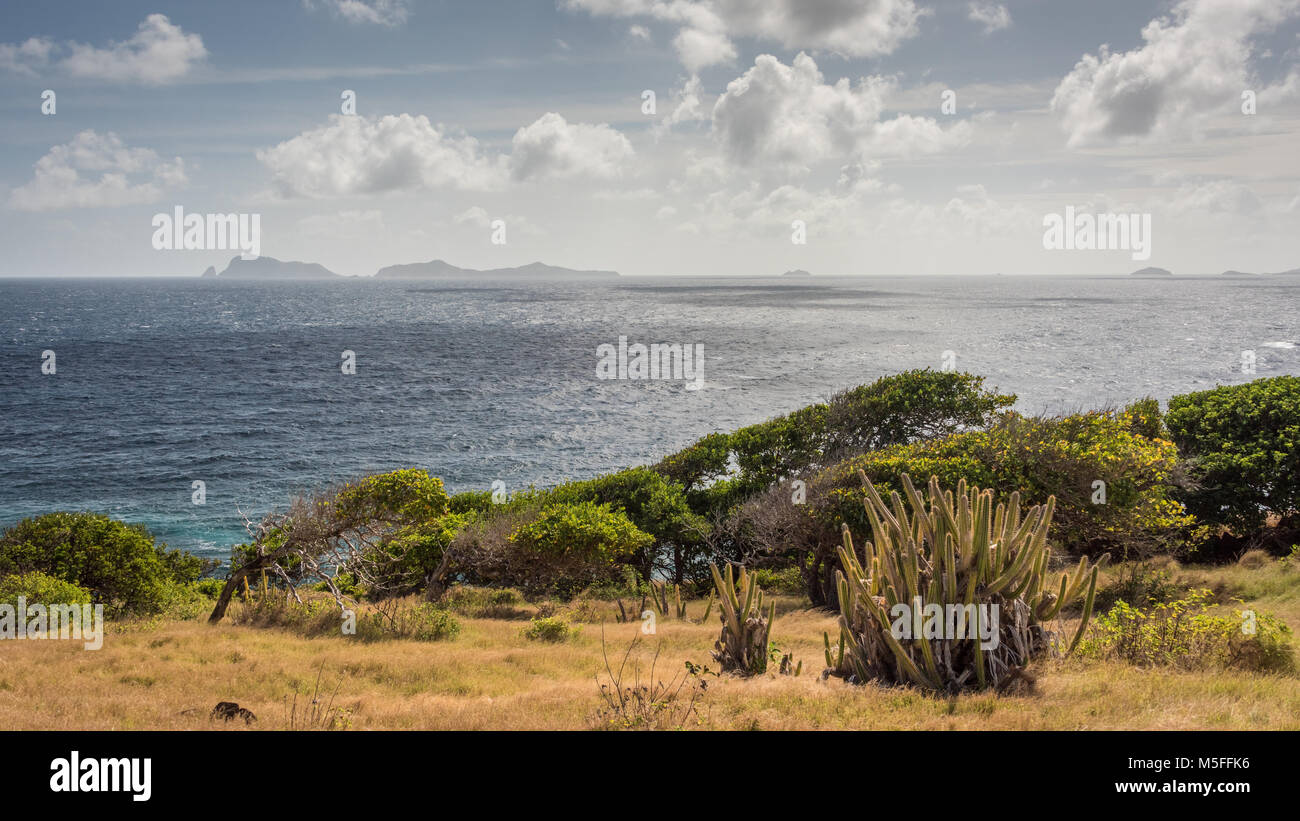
{"x": 162, "y": 382}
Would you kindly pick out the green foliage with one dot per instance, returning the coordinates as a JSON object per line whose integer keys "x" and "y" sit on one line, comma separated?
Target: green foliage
{"x": 471, "y": 501}
{"x": 551, "y": 629}
{"x": 118, "y": 563}
{"x": 892, "y": 410}
{"x": 1185, "y": 633}
{"x": 1143, "y": 418}
{"x": 38, "y": 588}
{"x": 404, "y": 496}
{"x": 583, "y": 533}
{"x": 209, "y": 587}
{"x": 959, "y": 553}
{"x": 415, "y": 553}
{"x": 421, "y": 622}
{"x": 1041, "y": 457}
{"x": 483, "y": 602}
{"x": 654, "y": 504}
{"x": 321, "y": 616}
{"x": 788, "y": 581}
{"x": 1245, "y": 440}
{"x": 185, "y": 601}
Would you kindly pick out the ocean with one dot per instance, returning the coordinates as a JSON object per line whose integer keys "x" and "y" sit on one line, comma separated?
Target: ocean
{"x": 161, "y": 383}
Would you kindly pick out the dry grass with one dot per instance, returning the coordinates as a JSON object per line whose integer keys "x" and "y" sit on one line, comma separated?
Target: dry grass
{"x": 169, "y": 675}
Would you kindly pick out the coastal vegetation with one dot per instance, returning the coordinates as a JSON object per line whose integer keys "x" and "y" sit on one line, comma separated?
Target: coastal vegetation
{"x": 1139, "y": 560}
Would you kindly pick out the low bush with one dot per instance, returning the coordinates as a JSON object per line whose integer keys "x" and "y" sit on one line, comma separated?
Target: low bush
{"x": 39, "y": 588}
{"x": 483, "y": 602}
{"x": 553, "y": 629}
{"x": 118, "y": 563}
{"x": 1185, "y": 633}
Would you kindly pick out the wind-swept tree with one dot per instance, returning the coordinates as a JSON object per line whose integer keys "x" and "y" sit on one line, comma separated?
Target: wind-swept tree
{"x": 362, "y": 530}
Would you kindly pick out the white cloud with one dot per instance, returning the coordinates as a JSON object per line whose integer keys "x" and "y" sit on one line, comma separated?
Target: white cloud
{"x": 788, "y": 117}
{"x": 687, "y": 106}
{"x": 698, "y": 48}
{"x": 992, "y": 16}
{"x": 159, "y": 52}
{"x": 359, "y": 155}
{"x": 26, "y": 57}
{"x": 97, "y": 170}
{"x": 866, "y": 28}
{"x": 376, "y": 12}
{"x": 552, "y": 148}
{"x": 1194, "y": 64}
{"x": 639, "y": 32}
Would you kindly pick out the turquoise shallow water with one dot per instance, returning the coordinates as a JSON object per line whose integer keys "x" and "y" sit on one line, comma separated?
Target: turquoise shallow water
{"x": 162, "y": 382}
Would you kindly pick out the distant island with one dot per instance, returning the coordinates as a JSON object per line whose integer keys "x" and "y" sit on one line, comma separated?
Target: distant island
{"x": 270, "y": 268}
{"x": 440, "y": 269}
{"x": 1291, "y": 272}
{"x": 797, "y": 272}
{"x": 1152, "y": 272}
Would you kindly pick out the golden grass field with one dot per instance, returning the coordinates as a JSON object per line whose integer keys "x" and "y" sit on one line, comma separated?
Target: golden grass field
{"x": 170, "y": 674}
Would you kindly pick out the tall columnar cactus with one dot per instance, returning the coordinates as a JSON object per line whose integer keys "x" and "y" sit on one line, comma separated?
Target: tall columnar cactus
{"x": 956, "y": 565}
{"x": 743, "y": 645}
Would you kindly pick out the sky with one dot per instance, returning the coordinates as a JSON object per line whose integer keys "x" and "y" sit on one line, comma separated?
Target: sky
{"x": 873, "y": 137}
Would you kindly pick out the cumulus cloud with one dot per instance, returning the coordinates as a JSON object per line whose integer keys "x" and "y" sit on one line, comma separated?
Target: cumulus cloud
{"x": 1194, "y": 63}
{"x": 866, "y": 28}
{"x": 687, "y": 106}
{"x": 698, "y": 49}
{"x": 159, "y": 52}
{"x": 359, "y": 155}
{"x": 375, "y": 12}
{"x": 992, "y": 16}
{"x": 789, "y": 117}
{"x": 26, "y": 57}
{"x": 97, "y": 170}
{"x": 553, "y": 148}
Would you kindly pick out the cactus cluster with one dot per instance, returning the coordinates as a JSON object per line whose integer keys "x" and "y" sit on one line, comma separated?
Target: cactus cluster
{"x": 743, "y": 645}
{"x": 965, "y": 555}
{"x": 659, "y": 592}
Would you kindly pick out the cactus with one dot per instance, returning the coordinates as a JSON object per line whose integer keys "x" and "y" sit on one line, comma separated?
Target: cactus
{"x": 708, "y": 609}
{"x": 963, "y": 558}
{"x": 743, "y": 645}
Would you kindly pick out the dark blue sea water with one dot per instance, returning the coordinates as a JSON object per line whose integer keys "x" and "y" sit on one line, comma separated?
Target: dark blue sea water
{"x": 161, "y": 382}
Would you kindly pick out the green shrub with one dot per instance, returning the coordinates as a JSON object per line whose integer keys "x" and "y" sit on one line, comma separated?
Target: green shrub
{"x": 581, "y": 534}
{"x": 1041, "y": 457}
{"x": 788, "y": 581}
{"x": 118, "y": 563}
{"x": 483, "y": 602}
{"x": 185, "y": 601}
{"x": 422, "y": 622}
{"x": 209, "y": 587}
{"x": 892, "y": 410}
{"x": 553, "y": 629}
{"x": 38, "y": 588}
{"x": 656, "y": 505}
{"x": 1185, "y": 633}
{"x": 1245, "y": 440}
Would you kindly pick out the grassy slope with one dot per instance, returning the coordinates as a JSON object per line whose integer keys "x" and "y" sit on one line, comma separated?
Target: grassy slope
{"x": 168, "y": 675}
